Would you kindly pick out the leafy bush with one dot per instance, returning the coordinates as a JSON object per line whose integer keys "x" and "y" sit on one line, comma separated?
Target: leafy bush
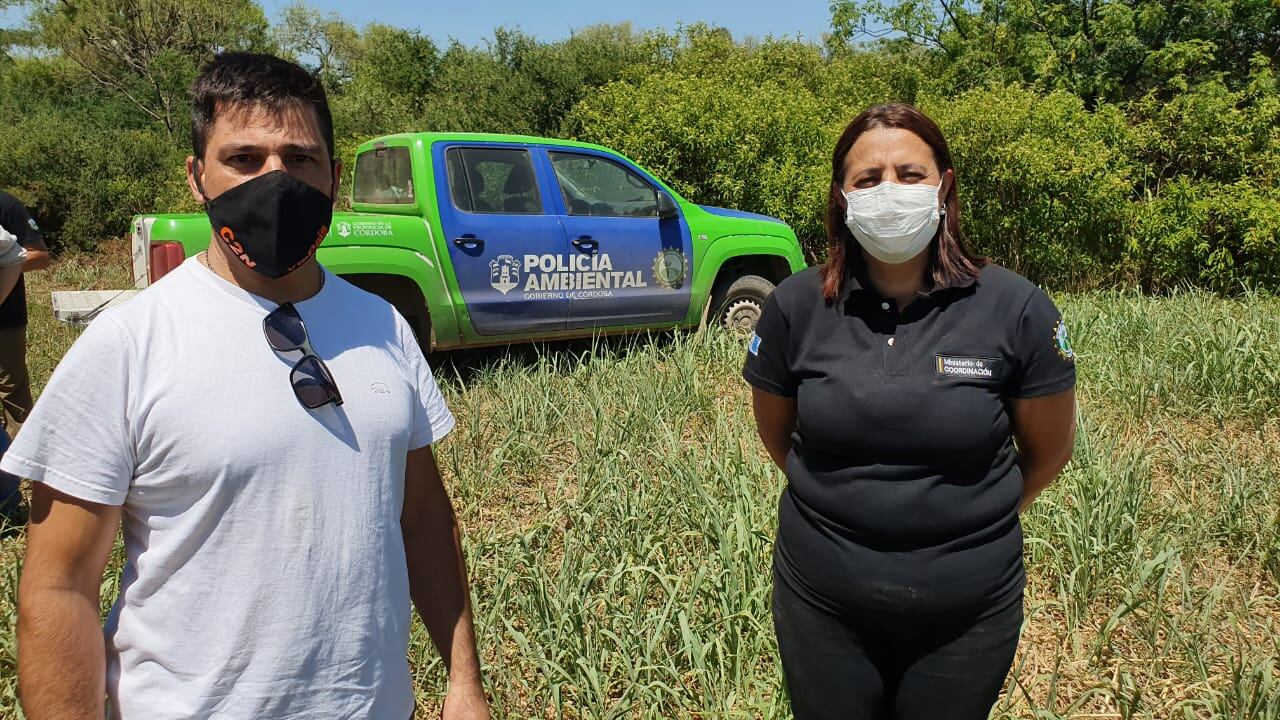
{"x": 759, "y": 148}
{"x": 1045, "y": 183}
{"x": 84, "y": 184}
{"x": 1221, "y": 236}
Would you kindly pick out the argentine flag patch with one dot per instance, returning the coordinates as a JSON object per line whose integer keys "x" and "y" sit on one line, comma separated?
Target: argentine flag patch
{"x": 753, "y": 347}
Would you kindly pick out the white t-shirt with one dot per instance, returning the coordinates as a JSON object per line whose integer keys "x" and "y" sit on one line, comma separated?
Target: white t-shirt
{"x": 11, "y": 253}
{"x": 266, "y": 573}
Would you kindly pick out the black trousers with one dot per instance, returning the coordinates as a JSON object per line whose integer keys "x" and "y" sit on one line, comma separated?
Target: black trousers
{"x": 891, "y": 668}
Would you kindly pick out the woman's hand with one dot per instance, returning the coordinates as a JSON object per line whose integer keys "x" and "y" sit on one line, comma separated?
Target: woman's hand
{"x": 775, "y": 421}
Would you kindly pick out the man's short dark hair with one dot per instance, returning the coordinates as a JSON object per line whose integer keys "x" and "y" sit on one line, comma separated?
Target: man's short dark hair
{"x": 254, "y": 80}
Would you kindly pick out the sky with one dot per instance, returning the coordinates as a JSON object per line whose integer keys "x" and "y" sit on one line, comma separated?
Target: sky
{"x": 473, "y": 21}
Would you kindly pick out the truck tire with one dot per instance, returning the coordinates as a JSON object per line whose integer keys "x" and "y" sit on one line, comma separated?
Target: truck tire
{"x": 743, "y": 302}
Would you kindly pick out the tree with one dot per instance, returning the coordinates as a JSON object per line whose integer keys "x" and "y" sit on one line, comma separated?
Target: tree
{"x": 1101, "y": 50}
{"x": 326, "y": 42}
{"x": 149, "y": 50}
{"x": 399, "y": 61}
{"x": 392, "y": 74}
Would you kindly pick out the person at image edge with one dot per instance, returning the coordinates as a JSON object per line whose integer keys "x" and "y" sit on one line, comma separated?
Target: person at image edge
{"x": 262, "y": 431}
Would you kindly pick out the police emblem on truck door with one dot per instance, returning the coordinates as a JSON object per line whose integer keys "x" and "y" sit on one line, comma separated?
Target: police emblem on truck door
{"x": 669, "y": 268}
{"x": 504, "y": 273}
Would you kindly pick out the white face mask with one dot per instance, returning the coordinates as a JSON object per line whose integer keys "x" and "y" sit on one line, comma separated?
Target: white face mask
{"x": 893, "y": 222}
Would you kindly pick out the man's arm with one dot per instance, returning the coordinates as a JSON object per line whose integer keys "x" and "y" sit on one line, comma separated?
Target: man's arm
{"x": 61, "y": 657}
{"x": 38, "y": 257}
{"x": 438, "y": 583}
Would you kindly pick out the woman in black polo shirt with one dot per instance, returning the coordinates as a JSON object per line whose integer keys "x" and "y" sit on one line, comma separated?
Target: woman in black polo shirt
{"x": 917, "y": 398}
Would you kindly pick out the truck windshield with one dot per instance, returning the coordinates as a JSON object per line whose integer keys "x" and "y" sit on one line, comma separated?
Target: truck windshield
{"x": 384, "y": 176}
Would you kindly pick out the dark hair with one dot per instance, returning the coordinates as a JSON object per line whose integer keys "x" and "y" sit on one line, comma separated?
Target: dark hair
{"x": 949, "y": 258}
{"x": 254, "y": 80}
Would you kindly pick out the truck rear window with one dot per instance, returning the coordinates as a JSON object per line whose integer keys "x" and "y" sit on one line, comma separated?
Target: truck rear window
{"x": 493, "y": 180}
{"x": 384, "y": 176}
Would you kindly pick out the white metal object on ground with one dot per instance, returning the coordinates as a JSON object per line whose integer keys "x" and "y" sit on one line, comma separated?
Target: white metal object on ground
{"x": 78, "y": 307}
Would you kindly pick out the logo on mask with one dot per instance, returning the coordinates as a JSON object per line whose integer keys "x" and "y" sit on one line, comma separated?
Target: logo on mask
{"x": 324, "y": 230}
{"x": 344, "y": 229}
{"x": 1063, "y": 344}
{"x": 229, "y": 237}
{"x": 504, "y": 273}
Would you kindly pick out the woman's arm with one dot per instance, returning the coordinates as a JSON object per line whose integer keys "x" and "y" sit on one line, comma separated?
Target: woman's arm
{"x": 1045, "y": 430}
{"x": 775, "y": 421}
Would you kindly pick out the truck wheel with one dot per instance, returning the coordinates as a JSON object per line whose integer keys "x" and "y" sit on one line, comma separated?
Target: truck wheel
{"x": 743, "y": 303}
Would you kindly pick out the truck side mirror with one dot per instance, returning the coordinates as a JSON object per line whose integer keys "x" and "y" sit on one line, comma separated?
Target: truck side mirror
{"x": 667, "y": 208}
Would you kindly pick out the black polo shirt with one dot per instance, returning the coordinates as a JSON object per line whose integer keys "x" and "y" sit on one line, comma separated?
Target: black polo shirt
{"x": 15, "y": 218}
{"x": 903, "y": 482}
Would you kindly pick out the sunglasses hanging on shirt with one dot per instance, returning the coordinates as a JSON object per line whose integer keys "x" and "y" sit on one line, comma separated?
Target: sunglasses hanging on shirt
{"x": 312, "y": 382}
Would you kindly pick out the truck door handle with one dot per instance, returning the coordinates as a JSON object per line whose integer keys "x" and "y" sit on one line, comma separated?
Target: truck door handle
{"x": 585, "y": 243}
{"x": 468, "y": 242}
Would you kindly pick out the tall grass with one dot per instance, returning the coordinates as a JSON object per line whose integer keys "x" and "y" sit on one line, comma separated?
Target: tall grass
{"x": 619, "y": 516}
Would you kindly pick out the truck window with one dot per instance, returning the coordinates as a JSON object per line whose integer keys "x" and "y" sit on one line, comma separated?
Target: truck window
{"x": 493, "y": 180}
{"x": 385, "y": 176}
{"x": 593, "y": 185}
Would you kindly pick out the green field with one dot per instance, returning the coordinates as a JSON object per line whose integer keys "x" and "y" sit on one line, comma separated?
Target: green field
{"x": 619, "y": 514}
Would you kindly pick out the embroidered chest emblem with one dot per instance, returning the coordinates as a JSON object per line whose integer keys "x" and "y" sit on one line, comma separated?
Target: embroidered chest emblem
{"x": 975, "y": 368}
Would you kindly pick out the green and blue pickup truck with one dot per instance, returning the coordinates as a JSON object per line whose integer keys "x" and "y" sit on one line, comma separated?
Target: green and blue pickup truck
{"x": 494, "y": 239}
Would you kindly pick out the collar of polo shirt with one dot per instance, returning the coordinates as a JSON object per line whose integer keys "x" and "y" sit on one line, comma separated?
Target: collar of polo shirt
{"x": 855, "y": 280}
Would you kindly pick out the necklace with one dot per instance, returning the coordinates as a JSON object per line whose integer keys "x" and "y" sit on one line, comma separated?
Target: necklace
{"x": 204, "y": 257}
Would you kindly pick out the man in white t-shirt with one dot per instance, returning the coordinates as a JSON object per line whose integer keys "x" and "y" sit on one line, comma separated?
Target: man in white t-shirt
{"x": 262, "y": 431}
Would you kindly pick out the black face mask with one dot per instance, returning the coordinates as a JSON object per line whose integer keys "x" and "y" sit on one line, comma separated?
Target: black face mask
{"x": 272, "y": 223}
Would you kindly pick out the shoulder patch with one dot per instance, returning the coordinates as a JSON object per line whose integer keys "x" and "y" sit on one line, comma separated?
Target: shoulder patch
{"x": 1061, "y": 343}
{"x": 753, "y": 347}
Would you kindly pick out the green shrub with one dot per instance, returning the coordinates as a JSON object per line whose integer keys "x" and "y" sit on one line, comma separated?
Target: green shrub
{"x": 1225, "y": 237}
{"x": 1210, "y": 131}
{"x": 760, "y": 148}
{"x": 1044, "y": 182}
{"x": 83, "y": 184}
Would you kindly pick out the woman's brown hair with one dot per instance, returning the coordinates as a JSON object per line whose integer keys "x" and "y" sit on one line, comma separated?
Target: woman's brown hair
{"x": 950, "y": 260}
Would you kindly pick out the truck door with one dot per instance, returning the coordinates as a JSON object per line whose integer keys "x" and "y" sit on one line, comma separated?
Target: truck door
{"x": 631, "y": 267}
{"x": 493, "y": 212}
